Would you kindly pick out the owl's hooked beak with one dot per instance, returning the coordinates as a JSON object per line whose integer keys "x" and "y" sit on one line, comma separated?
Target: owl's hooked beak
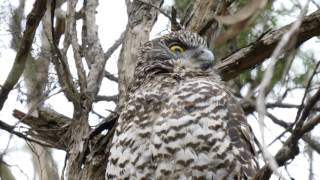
{"x": 198, "y": 58}
{"x": 205, "y": 55}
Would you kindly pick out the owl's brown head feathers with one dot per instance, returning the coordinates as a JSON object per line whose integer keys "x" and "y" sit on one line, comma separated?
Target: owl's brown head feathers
{"x": 177, "y": 51}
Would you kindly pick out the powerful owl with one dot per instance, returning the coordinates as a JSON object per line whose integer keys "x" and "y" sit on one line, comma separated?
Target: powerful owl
{"x": 180, "y": 121}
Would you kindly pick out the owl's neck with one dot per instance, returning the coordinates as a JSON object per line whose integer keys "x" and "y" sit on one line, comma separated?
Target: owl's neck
{"x": 147, "y": 71}
{"x": 186, "y": 72}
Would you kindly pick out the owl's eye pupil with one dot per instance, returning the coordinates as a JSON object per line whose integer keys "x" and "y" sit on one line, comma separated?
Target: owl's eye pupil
{"x": 177, "y": 49}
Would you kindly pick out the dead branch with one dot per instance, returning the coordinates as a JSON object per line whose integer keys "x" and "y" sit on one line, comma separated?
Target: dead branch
{"x": 33, "y": 20}
{"x": 49, "y": 127}
{"x": 10, "y": 129}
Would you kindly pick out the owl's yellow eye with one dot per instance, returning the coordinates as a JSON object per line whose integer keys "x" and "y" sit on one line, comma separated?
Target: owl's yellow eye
{"x": 177, "y": 49}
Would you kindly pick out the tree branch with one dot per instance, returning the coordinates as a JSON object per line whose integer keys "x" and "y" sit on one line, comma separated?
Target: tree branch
{"x": 289, "y": 149}
{"x": 110, "y": 76}
{"x": 50, "y": 127}
{"x": 33, "y": 20}
{"x": 307, "y": 138}
{"x": 312, "y": 142}
{"x": 257, "y": 52}
{"x": 10, "y": 129}
{"x": 306, "y": 92}
{"x": 113, "y": 98}
{"x": 115, "y": 45}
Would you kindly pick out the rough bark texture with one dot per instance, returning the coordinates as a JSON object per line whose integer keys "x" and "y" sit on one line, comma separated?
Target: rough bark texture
{"x": 141, "y": 18}
{"x": 200, "y": 18}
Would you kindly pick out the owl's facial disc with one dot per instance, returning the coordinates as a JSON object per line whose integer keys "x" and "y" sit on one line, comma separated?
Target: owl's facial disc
{"x": 193, "y": 58}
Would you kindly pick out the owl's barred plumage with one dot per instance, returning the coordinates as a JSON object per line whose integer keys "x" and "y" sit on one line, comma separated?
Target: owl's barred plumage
{"x": 180, "y": 121}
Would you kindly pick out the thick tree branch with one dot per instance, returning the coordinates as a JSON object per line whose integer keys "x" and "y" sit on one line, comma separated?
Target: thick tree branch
{"x": 33, "y": 20}
{"x": 257, "y": 52}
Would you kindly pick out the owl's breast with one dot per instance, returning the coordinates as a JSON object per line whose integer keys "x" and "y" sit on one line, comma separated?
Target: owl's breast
{"x": 175, "y": 130}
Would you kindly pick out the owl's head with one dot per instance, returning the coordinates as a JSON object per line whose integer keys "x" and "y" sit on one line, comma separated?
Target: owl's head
{"x": 177, "y": 50}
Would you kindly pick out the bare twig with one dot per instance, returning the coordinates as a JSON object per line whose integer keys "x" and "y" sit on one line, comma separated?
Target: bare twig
{"x": 115, "y": 45}
{"x": 306, "y": 137}
{"x": 286, "y": 105}
{"x": 113, "y": 98}
{"x": 109, "y": 52}
{"x": 16, "y": 166}
{"x": 289, "y": 149}
{"x": 306, "y": 91}
{"x": 59, "y": 58}
{"x": 315, "y": 3}
{"x": 110, "y": 76}
{"x": 261, "y": 108}
{"x": 278, "y": 121}
{"x": 175, "y": 26}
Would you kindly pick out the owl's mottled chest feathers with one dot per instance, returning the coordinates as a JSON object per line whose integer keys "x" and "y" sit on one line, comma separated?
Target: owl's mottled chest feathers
{"x": 177, "y": 127}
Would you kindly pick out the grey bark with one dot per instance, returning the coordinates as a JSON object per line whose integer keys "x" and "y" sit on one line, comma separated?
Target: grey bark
{"x": 141, "y": 18}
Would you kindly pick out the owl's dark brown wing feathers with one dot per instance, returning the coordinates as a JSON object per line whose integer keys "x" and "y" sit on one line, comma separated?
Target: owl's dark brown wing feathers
{"x": 241, "y": 137}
